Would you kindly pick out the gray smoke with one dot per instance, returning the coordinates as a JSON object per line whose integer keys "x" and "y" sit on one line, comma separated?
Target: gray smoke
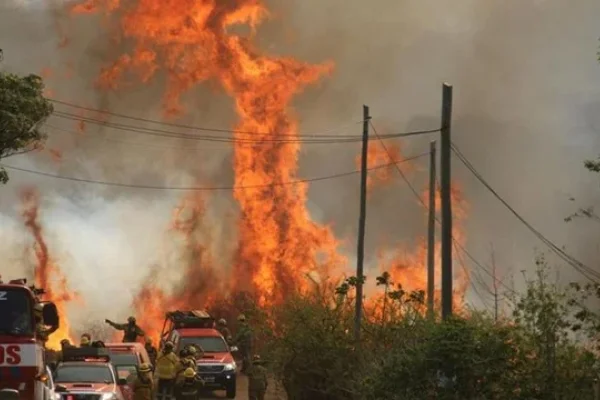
{"x": 526, "y": 101}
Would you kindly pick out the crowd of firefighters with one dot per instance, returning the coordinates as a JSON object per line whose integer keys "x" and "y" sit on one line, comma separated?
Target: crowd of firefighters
{"x": 174, "y": 376}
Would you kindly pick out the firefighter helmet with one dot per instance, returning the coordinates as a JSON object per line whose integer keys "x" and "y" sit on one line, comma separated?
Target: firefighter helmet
{"x": 189, "y": 373}
{"x": 145, "y": 368}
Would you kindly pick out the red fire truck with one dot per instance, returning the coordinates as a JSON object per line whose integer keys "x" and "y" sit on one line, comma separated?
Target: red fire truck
{"x": 22, "y": 355}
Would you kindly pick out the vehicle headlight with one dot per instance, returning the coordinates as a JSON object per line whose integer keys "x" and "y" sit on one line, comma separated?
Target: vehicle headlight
{"x": 109, "y": 396}
{"x": 57, "y": 396}
{"x": 229, "y": 367}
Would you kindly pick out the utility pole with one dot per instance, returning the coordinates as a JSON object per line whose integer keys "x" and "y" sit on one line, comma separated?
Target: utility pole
{"x": 446, "y": 200}
{"x": 431, "y": 232}
{"x": 360, "y": 253}
{"x": 495, "y": 283}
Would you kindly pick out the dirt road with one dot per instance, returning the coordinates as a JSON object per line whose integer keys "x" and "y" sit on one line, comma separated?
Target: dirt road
{"x": 274, "y": 393}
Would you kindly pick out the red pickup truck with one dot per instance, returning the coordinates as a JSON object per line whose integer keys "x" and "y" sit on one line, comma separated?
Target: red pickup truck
{"x": 217, "y": 366}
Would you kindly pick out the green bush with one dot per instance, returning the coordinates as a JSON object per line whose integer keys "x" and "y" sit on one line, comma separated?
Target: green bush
{"x": 405, "y": 356}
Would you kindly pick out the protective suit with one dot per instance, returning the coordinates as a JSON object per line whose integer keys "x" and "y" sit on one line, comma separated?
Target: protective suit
{"x": 166, "y": 370}
{"x": 243, "y": 339}
{"x": 143, "y": 386}
{"x": 131, "y": 330}
{"x": 189, "y": 388}
{"x": 224, "y": 330}
{"x": 257, "y": 380}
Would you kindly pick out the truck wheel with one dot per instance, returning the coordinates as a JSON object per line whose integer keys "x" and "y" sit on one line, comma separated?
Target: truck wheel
{"x": 230, "y": 390}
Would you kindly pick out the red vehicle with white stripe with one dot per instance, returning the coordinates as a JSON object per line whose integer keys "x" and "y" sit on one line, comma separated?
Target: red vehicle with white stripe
{"x": 22, "y": 355}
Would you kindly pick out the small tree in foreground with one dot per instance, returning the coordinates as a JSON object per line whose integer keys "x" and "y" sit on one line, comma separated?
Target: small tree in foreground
{"x": 23, "y": 110}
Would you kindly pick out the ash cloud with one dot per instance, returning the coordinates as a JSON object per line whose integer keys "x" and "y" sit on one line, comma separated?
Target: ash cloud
{"x": 526, "y": 95}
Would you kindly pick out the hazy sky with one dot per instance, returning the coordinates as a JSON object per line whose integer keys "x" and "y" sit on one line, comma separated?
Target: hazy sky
{"x": 527, "y": 95}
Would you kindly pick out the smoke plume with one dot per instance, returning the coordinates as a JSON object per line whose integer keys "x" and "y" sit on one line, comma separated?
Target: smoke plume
{"x": 526, "y": 96}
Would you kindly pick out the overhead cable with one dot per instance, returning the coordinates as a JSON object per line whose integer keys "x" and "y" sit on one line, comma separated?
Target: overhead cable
{"x": 207, "y": 188}
{"x": 583, "y": 269}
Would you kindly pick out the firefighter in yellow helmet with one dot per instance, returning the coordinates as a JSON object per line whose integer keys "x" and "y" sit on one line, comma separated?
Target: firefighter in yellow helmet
{"x": 224, "y": 330}
{"x": 243, "y": 340}
{"x": 189, "y": 388}
{"x": 143, "y": 386}
{"x": 166, "y": 370}
{"x": 85, "y": 341}
{"x": 257, "y": 379}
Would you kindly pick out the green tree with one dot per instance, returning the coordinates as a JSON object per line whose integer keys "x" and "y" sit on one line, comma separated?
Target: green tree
{"x": 23, "y": 110}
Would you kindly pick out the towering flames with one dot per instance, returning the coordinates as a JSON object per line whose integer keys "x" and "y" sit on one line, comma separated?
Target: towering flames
{"x": 189, "y": 40}
{"x": 47, "y": 274}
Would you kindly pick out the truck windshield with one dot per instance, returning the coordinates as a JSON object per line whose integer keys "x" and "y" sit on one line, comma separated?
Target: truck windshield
{"x": 118, "y": 358}
{"x": 208, "y": 344}
{"x": 83, "y": 374}
{"x": 15, "y": 312}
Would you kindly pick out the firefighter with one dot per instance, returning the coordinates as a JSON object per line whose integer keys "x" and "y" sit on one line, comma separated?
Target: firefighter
{"x": 166, "y": 370}
{"x": 131, "y": 329}
{"x": 42, "y": 331}
{"x": 151, "y": 350}
{"x": 224, "y": 330}
{"x": 58, "y": 356}
{"x": 143, "y": 386}
{"x": 85, "y": 341}
{"x": 257, "y": 380}
{"x": 243, "y": 339}
{"x": 184, "y": 364}
{"x": 189, "y": 388}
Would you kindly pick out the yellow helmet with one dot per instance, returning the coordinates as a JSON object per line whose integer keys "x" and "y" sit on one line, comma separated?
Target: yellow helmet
{"x": 145, "y": 368}
{"x": 189, "y": 373}
{"x": 85, "y": 341}
{"x": 192, "y": 350}
{"x": 241, "y": 318}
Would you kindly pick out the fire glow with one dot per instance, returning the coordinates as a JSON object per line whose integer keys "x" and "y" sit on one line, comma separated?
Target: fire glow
{"x": 279, "y": 244}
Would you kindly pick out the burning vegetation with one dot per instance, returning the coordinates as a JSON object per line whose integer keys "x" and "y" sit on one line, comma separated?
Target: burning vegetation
{"x": 280, "y": 248}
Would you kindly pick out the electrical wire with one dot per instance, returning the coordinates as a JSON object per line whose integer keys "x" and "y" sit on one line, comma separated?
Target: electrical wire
{"x": 583, "y": 269}
{"x": 179, "y": 135}
{"x": 208, "y": 188}
{"x": 238, "y": 132}
{"x": 139, "y": 143}
{"x": 420, "y": 200}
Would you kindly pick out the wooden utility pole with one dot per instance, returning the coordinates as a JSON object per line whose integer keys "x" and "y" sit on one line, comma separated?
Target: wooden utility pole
{"x": 431, "y": 232}
{"x": 446, "y": 200}
{"x": 495, "y": 283}
{"x": 360, "y": 253}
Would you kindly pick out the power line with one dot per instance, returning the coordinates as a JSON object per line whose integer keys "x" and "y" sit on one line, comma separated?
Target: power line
{"x": 144, "y": 144}
{"x": 207, "y": 129}
{"x": 208, "y": 188}
{"x": 418, "y": 197}
{"x": 583, "y": 269}
{"x": 179, "y": 135}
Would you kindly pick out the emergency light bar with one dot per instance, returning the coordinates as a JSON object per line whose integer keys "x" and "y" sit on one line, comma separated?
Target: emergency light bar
{"x": 85, "y": 354}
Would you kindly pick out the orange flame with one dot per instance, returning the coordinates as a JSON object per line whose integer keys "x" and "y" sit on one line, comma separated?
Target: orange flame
{"x": 47, "y": 274}
{"x": 409, "y": 268}
{"x": 278, "y": 242}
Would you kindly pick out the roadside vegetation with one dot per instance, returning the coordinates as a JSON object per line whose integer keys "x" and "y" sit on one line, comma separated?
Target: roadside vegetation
{"x": 544, "y": 348}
